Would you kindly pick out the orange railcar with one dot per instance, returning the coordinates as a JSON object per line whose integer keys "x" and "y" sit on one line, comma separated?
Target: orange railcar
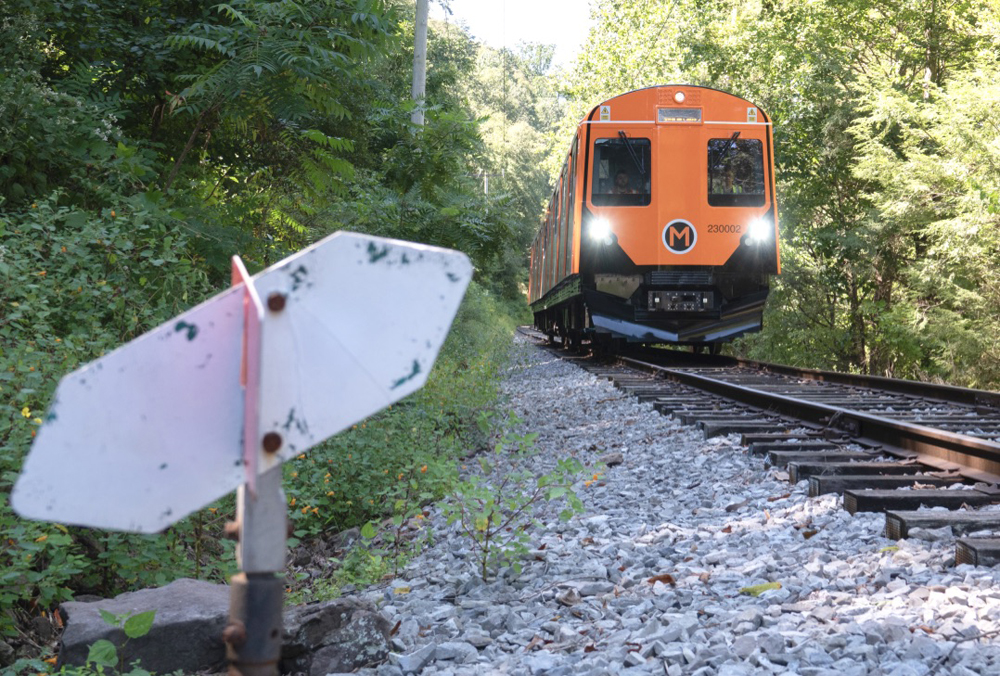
{"x": 662, "y": 227}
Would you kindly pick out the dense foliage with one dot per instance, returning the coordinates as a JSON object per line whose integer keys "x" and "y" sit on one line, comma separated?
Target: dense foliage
{"x": 143, "y": 143}
{"x": 887, "y": 133}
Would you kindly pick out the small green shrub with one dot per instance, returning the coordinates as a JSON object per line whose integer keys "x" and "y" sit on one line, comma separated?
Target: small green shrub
{"x": 103, "y": 654}
{"x": 361, "y": 566}
{"x": 496, "y": 507}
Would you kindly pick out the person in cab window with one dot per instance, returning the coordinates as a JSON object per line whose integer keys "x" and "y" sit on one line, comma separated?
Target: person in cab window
{"x": 722, "y": 181}
{"x": 727, "y": 181}
{"x": 742, "y": 174}
{"x": 621, "y": 186}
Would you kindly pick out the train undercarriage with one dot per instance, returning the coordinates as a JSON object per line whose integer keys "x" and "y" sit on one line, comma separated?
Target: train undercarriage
{"x": 699, "y": 308}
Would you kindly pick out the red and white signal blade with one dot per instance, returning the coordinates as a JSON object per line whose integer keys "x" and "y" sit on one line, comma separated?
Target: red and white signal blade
{"x": 153, "y": 431}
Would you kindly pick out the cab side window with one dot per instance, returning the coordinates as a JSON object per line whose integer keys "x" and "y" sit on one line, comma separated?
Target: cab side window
{"x": 621, "y": 172}
{"x": 735, "y": 172}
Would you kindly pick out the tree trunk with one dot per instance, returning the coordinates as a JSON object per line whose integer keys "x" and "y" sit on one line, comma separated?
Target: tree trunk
{"x": 856, "y": 322}
{"x": 187, "y": 147}
{"x": 886, "y": 273}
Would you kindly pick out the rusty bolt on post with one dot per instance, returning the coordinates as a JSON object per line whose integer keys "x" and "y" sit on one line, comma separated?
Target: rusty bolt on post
{"x": 276, "y": 302}
{"x": 235, "y": 634}
{"x": 231, "y": 531}
{"x": 272, "y": 442}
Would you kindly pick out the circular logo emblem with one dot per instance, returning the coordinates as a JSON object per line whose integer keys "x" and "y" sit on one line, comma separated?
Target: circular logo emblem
{"x": 679, "y": 236}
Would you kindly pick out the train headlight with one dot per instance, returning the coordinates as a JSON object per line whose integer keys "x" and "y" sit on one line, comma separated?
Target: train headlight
{"x": 600, "y": 230}
{"x": 759, "y": 230}
{"x": 679, "y": 97}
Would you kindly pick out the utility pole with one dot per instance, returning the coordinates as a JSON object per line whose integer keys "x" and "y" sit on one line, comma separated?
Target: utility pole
{"x": 419, "y": 62}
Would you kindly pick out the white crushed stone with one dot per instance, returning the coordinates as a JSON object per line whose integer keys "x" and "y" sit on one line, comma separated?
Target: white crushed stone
{"x": 715, "y": 520}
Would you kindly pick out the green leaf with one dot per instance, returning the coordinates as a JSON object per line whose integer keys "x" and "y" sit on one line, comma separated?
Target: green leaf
{"x": 758, "y": 589}
{"x": 140, "y": 624}
{"x": 368, "y": 531}
{"x": 103, "y": 653}
{"x": 109, "y": 618}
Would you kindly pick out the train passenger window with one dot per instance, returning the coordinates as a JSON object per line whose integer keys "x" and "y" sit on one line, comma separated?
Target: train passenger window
{"x": 621, "y": 172}
{"x": 735, "y": 172}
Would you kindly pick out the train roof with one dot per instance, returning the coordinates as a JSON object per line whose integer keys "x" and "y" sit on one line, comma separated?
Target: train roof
{"x": 672, "y": 86}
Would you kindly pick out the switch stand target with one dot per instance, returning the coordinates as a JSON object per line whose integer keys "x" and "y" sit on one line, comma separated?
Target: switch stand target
{"x": 216, "y": 398}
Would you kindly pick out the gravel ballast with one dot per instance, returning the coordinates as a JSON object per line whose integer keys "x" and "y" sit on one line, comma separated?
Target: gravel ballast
{"x": 653, "y": 576}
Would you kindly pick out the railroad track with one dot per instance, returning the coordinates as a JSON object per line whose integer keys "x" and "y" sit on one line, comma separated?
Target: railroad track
{"x": 926, "y": 455}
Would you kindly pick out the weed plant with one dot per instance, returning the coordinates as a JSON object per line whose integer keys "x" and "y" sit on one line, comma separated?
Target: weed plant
{"x": 495, "y": 504}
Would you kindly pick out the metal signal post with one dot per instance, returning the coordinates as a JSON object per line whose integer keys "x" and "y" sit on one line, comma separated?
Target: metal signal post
{"x": 253, "y": 636}
{"x": 254, "y": 633}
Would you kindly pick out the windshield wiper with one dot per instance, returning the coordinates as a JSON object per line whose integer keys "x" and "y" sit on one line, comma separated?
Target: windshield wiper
{"x": 717, "y": 162}
{"x": 631, "y": 152}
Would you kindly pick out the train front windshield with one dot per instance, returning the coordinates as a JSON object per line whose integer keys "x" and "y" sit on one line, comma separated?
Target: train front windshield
{"x": 621, "y": 172}
{"x": 735, "y": 172}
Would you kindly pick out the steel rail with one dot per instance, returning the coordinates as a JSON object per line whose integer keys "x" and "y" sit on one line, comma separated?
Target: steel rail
{"x": 944, "y": 393}
{"x": 974, "y": 459}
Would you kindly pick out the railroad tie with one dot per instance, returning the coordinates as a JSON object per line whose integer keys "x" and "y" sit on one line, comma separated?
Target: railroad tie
{"x": 783, "y": 458}
{"x": 898, "y": 524}
{"x": 821, "y": 485}
{"x": 804, "y": 469}
{"x": 765, "y": 437}
{"x": 880, "y": 500}
{"x": 977, "y": 551}
{"x": 720, "y": 428}
{"x": 803, "y": 447}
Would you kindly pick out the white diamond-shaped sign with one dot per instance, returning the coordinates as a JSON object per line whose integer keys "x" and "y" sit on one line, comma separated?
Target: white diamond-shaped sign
{"x": 151, "y": 432}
